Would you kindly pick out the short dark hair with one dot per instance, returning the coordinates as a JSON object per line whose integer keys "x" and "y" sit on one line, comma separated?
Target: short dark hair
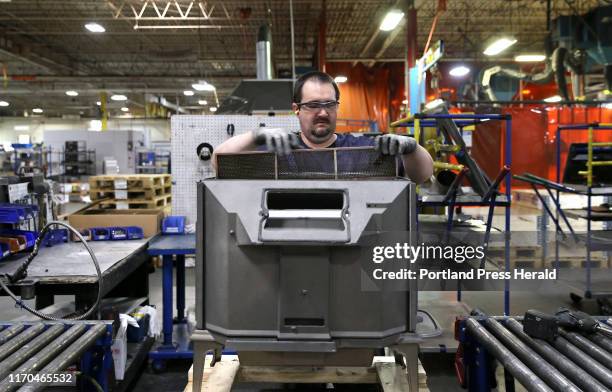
{"x": 320, "y": 77}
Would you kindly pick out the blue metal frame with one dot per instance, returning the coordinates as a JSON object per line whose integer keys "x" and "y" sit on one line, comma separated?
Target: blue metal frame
{"x": 472, "y": 119}
{"x": 176, "y": 333}
{"x": 588, "y": 193}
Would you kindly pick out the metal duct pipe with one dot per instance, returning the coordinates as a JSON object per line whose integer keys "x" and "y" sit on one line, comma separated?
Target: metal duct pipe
{"x": 487, "y": 74}
{"x": 71, "y": 354}
{"x": 14, "y": 344}
{"x": 601, "y": 341}
{"x": 29, "y": 349}
{"x": 588, "y": 347}
{"x": 593, "y": 367}
{"x": 264, "y": 53}
{"x": 10, "y": 332}
{"x": 543, "y": 369}
{"x": 560, "y": 361}
{"x": 517, "y": 368}
{"x": 45, "y": 355}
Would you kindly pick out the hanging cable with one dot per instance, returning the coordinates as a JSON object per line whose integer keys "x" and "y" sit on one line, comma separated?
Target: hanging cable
{"x": 21, "y": 272}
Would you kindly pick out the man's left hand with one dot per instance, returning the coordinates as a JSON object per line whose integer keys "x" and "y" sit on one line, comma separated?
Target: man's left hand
{"x": 391, "y": 144}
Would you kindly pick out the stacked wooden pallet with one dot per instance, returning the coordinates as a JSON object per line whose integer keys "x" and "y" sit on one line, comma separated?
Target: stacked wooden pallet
{"x": 131, "y": 191}
{"x": 533, "y": 257}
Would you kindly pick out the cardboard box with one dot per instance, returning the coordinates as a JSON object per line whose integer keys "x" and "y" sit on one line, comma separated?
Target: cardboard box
{"x": 149, "y": 220}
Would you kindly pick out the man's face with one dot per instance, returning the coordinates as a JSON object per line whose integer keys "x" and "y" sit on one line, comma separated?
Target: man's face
{"x": 317, "y": 125}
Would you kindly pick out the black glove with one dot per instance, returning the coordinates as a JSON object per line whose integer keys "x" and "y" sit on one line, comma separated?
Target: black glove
{"x": 391, "y": 144}
{"x": 276, "y": 140}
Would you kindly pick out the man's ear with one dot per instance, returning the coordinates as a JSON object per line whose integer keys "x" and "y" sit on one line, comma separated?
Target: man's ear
{"x": 295, "y": 108}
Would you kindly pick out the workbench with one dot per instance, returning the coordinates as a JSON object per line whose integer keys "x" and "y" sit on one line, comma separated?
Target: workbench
{"x": 67, "y": 269}
{"x": 176, "y": 332}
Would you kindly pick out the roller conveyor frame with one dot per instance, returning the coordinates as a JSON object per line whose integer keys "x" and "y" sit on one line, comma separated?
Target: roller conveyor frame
{"x": 49, "y": 347}
{"x": 573, "y": 361}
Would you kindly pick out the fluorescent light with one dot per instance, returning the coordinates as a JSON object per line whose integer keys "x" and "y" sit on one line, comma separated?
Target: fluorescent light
{"x": 202, "y": 102}
{"x": 554, "y": 98}
{"x": 499, "y": 46}
{"x": 71, "y": 93}
{"x": 37, "y": 110}
{"x": 340, "y": 79}
{"x": 4, "y": 103}
{"x": 188, "y": 93}
{"x": 459, "y": 71}
{"x": 95, "y": 125}
{"x": 125, "y": 109}
{"x": 529, "y": 58}
{"x": 95, "y": 27}
{"x": 433, "y": 104}
{"x": 118, "y": 97}
{"x": 203, "y": 85}
{"x": 22, "y": 127}
{"x": 391, "y": 20}
{"x": 212, "y": 109}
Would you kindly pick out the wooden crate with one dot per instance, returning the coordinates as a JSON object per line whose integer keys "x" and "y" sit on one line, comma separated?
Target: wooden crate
{"x": 228, "y": 371}
{"x": 157, "y": 202}
{"x": 131, "y": 193}
{"x": 129, "y": 181}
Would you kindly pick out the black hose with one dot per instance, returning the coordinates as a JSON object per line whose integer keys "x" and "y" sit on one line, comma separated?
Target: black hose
{"x": 21, "y": 273}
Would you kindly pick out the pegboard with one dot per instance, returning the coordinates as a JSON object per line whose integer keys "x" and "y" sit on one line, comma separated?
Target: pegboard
{"x": 188, "y": 132}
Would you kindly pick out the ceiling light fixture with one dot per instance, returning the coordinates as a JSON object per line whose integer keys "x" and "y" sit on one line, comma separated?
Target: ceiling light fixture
{"x": 95, "y": 27}
{"x": 118, "y": 97}
{"x": 188, "y": 93}
{"x": 459, "y": 71}
{"x": 95, "y": 125}
{"x": 4, "y": 103}
{"x": 529, "y": 58}
{"x": 340, "y": 79}
{"x": 125, "y": 109}
{"x": 98, "y": 103}
{"x": 391, "y": 20}
{"x": 499, "y": 45}
{"x": 22, "y": 127}
{"x": 554, "y": 98}
{"x": 202, "y": 102}
{"x": 37, "y": 110}
{"x": 72, "y": 93}
{"x": 203, "y": 85}
{"x": 212, "y": 109}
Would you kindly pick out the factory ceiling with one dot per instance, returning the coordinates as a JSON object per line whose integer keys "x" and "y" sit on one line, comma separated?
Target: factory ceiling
{"x": 161, "y": 47}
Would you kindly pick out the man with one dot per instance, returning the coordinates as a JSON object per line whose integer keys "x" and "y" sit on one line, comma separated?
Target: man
{"x": 315, "y": 101}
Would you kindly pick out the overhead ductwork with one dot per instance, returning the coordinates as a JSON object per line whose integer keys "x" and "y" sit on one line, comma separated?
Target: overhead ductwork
{"x": 486, "y": 75}
{"x": 264, "y": 53}
{"x": 264, "y": 94}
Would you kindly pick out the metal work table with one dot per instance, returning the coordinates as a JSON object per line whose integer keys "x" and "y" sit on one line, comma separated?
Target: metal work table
{"x": 176, "y": 332}
{"x": 66, "y": 269}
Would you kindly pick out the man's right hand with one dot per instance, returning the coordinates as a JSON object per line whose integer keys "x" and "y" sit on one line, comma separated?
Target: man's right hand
{"x": 276, "y": 140}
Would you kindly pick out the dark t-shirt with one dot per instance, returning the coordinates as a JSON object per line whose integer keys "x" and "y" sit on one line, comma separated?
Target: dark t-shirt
{"x": 348, "y": 140}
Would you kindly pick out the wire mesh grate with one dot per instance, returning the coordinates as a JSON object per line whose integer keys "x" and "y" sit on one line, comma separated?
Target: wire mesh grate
{"x": 329, "y": 163}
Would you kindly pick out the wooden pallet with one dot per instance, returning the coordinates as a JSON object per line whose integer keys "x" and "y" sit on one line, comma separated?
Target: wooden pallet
{"x": 227, "y": 372}
{"x": 129, "y": 181}
{"x": 157, "y": 202}
{"x": 131, "y": 193}
{"x": 577, "y": 262}
{"x": 516, "y": 252}
{"x": 523, "y": 262}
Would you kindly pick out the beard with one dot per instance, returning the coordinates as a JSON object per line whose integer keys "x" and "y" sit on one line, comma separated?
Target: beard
{"x": 322, "y": 130}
